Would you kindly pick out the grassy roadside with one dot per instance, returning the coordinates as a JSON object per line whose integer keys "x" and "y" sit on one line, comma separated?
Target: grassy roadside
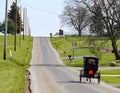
{"x": 114, "y": 80}
{"x": 12, "y": 72}
{"x": 64, "y": 48}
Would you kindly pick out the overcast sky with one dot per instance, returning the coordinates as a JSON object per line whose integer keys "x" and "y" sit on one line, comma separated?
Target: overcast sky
{"x": 43, "y": 15}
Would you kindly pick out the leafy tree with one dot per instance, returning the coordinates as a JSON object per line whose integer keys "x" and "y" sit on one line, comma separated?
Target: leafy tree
{"x": 11, "y": 21}
{"x": 12, "y": 14}
{"x": 2, "y": 26}
{"x": 11, "y": 27}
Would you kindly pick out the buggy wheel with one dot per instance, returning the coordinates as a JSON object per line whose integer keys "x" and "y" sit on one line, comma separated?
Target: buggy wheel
{"x": 89, "y": 80}
{"x": 99, "y": 75}
{"x": 81, "y": 72}
{"x": 80, "y": 79}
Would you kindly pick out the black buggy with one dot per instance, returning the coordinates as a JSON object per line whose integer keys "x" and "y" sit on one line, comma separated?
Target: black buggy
{"x": 90, "y": 69}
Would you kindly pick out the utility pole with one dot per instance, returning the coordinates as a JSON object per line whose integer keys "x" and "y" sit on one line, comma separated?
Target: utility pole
{"x": 20, "y": 26}
{"x": 5, "y": 34}
{"x": 23, "y": 22}
{"x": 15, "y": 25}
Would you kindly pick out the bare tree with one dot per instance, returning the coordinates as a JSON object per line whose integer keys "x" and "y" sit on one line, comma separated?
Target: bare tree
{"x": 96, "y": 24}
{"x": 111, "y": 17}
{"x": 75, "y": 16}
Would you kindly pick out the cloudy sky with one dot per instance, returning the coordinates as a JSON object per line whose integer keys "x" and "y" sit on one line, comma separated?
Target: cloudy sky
{"x": 43, "y": 15}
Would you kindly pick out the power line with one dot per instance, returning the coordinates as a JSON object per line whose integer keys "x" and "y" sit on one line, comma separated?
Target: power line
{"x": 41, "y": 10}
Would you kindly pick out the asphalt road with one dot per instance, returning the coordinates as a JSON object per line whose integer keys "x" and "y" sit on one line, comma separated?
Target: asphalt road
{"x": 50, "y": 75}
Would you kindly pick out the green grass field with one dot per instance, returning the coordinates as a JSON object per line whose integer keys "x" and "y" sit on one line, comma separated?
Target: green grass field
{"x": 64, "y": 48}
{"x": 12, "y": 71}
{"x": 110, "y": 79}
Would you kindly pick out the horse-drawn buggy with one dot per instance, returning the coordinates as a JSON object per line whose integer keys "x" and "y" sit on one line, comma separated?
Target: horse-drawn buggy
{"x": 90, "y": 69}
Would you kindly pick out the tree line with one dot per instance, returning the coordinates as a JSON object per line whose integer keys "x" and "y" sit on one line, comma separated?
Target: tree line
{"x": 11, "y": 20}
{"x": 101, "y": 17}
